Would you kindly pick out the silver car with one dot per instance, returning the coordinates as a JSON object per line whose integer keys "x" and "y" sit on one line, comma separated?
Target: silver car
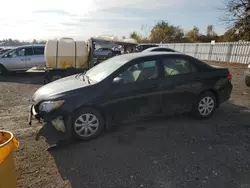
{"x": 22, "y": 58}
{"x": 103, "y": 52}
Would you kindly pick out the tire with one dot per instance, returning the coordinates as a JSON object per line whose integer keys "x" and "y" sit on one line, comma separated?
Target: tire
{"x": 247, "y": 81}
{"x": 3, "y": 70}
{"x": 81, "y": 129}
{"x": 205, "y": 106}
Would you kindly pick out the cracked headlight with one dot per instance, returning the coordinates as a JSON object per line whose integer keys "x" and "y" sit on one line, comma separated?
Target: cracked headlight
{"x": 48, "y": 106}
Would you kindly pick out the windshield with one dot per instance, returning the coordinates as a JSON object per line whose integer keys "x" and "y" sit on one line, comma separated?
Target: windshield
{"x": 105, "y": 68}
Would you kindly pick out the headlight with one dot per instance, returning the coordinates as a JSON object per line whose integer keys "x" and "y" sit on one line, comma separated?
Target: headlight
{"x": 48, "y": 106}
{"x": 248, "y": 66}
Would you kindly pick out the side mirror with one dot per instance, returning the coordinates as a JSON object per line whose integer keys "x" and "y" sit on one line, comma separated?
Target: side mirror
{"x": 118, "y": 80}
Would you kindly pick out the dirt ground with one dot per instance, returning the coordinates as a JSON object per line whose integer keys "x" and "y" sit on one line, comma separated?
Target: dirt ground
{"x": 165, "y": 153}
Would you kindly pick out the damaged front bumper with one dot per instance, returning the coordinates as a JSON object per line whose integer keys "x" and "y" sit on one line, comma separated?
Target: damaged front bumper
{"x": 58, "y": 122}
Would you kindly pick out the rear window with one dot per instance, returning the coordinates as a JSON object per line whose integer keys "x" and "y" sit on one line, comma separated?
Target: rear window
{"x": 38, "y": 50}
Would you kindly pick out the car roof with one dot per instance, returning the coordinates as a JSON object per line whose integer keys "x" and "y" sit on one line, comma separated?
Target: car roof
{"x": 146, "y": 44}
{"x": 30, "y": 45}
{"x": 123, "y": 59}
{"x": 157, "y": 47}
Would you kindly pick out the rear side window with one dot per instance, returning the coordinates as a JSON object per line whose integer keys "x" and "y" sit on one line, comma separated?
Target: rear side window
{"x": 28, "y": 51}
{"x": 38, "y": 50}
{"x": 178, "y": 65}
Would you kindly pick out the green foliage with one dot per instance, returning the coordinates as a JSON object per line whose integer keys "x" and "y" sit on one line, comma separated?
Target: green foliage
{"x": 136, "y": 36}
{"x": 164, "y": 32}
{"x": 193, "y": 35}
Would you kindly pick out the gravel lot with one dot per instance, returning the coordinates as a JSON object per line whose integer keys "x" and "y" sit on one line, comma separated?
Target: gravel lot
{"x": 165, "y": 153}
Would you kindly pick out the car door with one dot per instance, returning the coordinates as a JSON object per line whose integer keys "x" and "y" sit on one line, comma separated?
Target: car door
{"x": 29, "y": 57}
{"x": 138, "y": 94}
{"x": 38, "y": 58}
{"x": 14, "y": 60}
{"x": 179, "y": 76}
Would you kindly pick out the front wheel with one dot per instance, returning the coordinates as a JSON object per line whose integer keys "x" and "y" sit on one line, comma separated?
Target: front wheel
{"x": 87, "y": 123}
{"x": 205, "y": 105}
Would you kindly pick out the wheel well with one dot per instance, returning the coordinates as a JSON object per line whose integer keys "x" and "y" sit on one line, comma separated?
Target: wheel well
{"x": 215, "y": 94}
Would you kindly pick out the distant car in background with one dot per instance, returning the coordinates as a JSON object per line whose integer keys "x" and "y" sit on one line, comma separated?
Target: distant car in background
{"x": 2, "y": 51}
{"x": 106, "y": 52}
{"x": 22, "y": 58}
{"x": 159, "y": 49}
{"x": 141, "y": 47}
{"x": 247, "y": 76}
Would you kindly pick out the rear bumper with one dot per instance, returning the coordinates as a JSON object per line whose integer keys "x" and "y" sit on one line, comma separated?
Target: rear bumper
{"x": 225, "y": 93}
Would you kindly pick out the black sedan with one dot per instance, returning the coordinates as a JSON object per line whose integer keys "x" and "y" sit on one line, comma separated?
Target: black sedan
{"x": 129, "y": 87}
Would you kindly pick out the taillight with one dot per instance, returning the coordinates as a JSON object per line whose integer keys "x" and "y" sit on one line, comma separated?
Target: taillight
{"x": 229, "y": 76}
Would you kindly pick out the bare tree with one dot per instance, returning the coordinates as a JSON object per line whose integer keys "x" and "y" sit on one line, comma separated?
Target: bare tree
{"x": 237, "y": 17}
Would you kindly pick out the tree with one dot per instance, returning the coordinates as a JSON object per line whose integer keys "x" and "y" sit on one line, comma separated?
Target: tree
{"x": 237, "y": 17}
{"x": 193, "y": 35}
{"x": 210, "y": 31}
{"x": 136, "y": 36}
{"x": 164, "y": 32}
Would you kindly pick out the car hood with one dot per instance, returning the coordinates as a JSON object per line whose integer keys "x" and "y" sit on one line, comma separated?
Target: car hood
{"x": 58, "y": 87}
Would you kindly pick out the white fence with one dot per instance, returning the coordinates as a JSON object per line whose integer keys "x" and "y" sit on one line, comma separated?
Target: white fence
{"x": 236, "y": 52}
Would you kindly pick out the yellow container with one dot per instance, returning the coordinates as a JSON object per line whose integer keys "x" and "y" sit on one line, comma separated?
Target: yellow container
{"x": 8, "y": 144}
{"x": 66, "y": 53}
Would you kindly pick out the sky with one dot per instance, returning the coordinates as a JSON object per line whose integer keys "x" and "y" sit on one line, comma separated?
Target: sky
{"x": 82, "y": 19}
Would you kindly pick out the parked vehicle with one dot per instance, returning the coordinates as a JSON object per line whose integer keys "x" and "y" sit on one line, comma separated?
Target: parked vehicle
{"x": 141, "y": 47}
{"x": 22, "y": 58}
{"x": 66, "y": 56}
{"x": 131, "y": 86}
{"x": 159, "y": 49}
{"x": 247, "y": 76}
{"x": 2, "y": 51}
{"x": 106, "y": 52}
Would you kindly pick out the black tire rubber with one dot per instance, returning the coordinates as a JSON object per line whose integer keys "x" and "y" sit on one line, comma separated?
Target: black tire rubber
{"x": 247, "y": 81}
{"x": 3, "y": 70}
{"x": 195, "y": 110}
{"x": 91, "y": 111}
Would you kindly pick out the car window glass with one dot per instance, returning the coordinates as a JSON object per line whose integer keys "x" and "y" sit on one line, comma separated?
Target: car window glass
{"x": 38, "y": 50}
{"x": 28, "y": 51}
{"x": 16, "y": 53}
{"x": 140, "y": 72}
{"x": 175, "y": 66}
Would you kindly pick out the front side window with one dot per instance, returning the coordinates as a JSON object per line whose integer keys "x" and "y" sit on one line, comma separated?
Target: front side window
{"x": 177, "y": 65}
{"x": 15, "y": 53}
{"x": 140, "y": 72}
{"x": 105, "y": 68}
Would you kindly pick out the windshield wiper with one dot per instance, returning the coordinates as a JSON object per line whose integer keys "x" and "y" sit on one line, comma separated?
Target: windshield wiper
{"x": 87, "y": 79}
{"x": 80, "y": 74}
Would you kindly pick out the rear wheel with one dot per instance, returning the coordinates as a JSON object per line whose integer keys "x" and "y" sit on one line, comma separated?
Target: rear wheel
{"x": 87, "y": 123}
{"x": 205, "y": 105}
{"x": 247, "y": 81}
